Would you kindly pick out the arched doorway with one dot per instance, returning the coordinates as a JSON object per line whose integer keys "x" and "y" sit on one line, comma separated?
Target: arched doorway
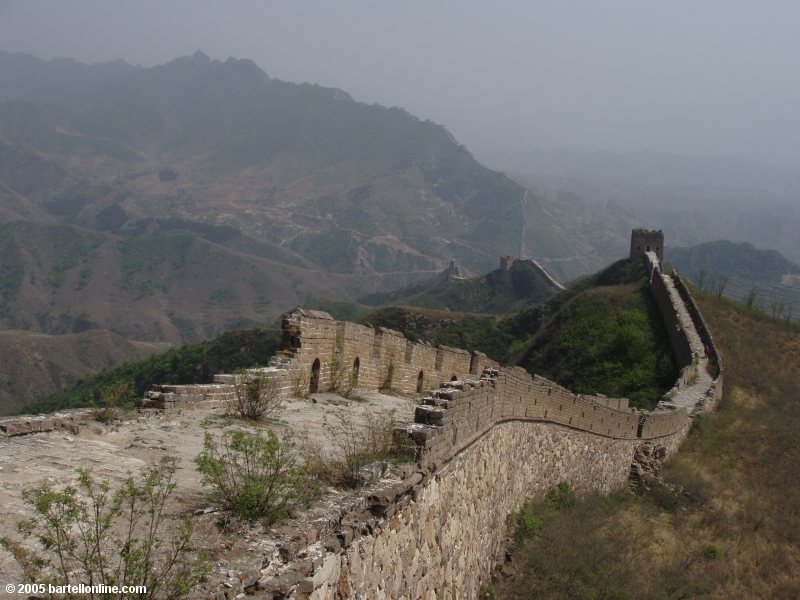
{"x": 354, "y": 374}
{"x": 420, "y": 381}
{"x": 387, "y": 381}
{"x": 454, "y": 378}
{"x": 313, "y": 384}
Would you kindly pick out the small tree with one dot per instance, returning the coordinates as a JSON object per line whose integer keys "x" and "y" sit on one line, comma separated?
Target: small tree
{"x": 777, "y": 307}
{"x": 255, "y": 396}
{"x": 702, "y": 276}
{"x": 253, "y": 476}
{"x": 112, "y": 398}
{"x": 750, "y": 299}
{"x": 358, "y": 445}
{"x": 89, "y": 535}
{"x": 341, "y": 383}
{"x": 719, "y": 284}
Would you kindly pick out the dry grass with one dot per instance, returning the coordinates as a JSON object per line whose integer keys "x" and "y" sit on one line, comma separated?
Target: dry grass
{"x": 735, "y": 534}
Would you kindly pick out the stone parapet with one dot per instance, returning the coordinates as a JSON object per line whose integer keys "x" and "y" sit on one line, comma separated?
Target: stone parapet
{"x": 454, "y": 416}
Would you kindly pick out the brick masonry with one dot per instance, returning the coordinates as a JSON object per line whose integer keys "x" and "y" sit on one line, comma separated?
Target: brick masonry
{"x": 483, "y": 444}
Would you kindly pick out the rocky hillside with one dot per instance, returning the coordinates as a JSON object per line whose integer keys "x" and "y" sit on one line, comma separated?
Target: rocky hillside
{"x": 200, "y": 194}
{"x": 220, "y": 143}
{"x": 33, "y": 365}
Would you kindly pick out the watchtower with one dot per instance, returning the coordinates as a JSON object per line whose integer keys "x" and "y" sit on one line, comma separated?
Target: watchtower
{"x": 644, "y": 240}
{"x": 507, "y": 261}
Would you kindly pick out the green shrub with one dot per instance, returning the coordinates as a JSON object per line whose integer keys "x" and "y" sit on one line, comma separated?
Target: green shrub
{"x": 711, "y": 552}
{"x": 561, "y": 498}
{"x": 532, "y": 516}
{"x": 255, "y": 396}
{"x": 529, "y": 523}
{"x": 254, "y": 476}
{"x": 89, "y": 535}
{"x": 112, "y": 399}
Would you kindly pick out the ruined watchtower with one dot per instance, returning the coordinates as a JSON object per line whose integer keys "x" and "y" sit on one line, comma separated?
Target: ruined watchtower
{"x": 644, "y": 240}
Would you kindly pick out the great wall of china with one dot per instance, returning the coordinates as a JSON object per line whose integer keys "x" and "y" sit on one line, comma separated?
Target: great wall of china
{"x": 487, "y": 439}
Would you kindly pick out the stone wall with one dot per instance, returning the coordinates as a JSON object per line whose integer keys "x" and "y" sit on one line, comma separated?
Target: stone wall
{"x": 677, "y": 336}
{"x": 453, "y": 417}
{"x": 484, "y": 446}
{"x": 370, "y": 358}
{"x": 69, "y": 420}
{"x": 444, "y": 543}
{"x": 437, "y": 529}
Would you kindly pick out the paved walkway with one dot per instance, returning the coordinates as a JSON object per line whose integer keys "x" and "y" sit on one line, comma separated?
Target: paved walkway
{"x": 691, "y": 397}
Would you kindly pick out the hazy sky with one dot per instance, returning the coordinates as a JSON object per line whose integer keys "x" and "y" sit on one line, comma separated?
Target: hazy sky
{"x": 700, "y": 77}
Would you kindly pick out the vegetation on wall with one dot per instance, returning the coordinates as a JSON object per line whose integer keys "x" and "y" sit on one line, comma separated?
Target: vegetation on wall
{"x": 608, "y": 340}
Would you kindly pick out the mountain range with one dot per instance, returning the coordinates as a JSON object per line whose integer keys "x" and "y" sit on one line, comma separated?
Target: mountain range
{"x": 170, "y": 203}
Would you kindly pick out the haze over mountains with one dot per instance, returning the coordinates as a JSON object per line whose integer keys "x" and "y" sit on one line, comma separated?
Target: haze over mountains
{"x": 694, "y": 199}
{"x": 169, "y": 204}
{"x": 297, "y": 187}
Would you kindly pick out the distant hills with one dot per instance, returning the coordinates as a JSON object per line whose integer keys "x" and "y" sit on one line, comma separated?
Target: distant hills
{"x": 34, "y": 365}
{"x": 499, "y": 292}
{"x": 169, "y": 204}
{"x": 740, "y": 270}
{"x": 694, "y": 199}
{"x": 200, "y": 194}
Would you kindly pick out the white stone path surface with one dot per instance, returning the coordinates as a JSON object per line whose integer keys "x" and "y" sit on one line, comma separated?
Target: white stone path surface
{"x": 692, "y": 396}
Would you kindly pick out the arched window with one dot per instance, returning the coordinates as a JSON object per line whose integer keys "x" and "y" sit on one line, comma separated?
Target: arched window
{"x": 313, "y": 384}
{"x": 354, "y": 374}
{"x": 387, "y": 382}
{"x": 454, "y": 378}
{"x": 420, "y": 381}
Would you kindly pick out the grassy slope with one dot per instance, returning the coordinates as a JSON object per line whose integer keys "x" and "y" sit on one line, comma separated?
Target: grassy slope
{"x": 736, "y": 534}
{"x": 603, "y": 336}
{"x": 605, "y": 341}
